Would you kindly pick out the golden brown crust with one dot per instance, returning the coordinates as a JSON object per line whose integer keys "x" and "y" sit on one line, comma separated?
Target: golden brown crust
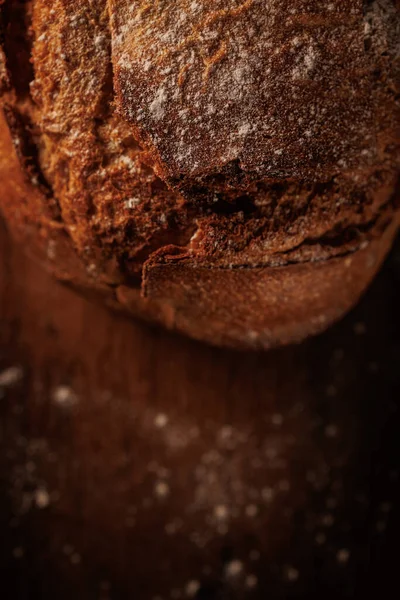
{"x": 260, "y": 307}
{"x": 253, "y": 89}
{"x": 81, "y": 194}
{"x": 247, "y": 308}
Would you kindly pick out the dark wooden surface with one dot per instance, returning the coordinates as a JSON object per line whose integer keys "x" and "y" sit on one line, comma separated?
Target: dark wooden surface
{"x": 137, "y": 464}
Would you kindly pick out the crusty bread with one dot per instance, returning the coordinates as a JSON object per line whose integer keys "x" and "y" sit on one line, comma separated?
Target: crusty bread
{"x": 223, "y": 93}
{"x": 240, "y": 184}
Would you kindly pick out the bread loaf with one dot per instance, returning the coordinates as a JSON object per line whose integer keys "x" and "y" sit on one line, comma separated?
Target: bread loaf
{"x": 226, "y": 168}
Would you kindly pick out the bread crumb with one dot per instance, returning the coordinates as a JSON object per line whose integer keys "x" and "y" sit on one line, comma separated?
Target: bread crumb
{"x": 331, "y": 431}
{"x": 192, "y": 588}
{"x": 251, "y": 510}
{"x": 161, "y": 420}
{"x": 161, "y": 489}
{"x": 221, "y": 512}
{"x": 267, "y": 494}
{"x": 343, "y": 556}
{"x": 75, "y": 558}
{"x": 327, "y": 520}
{"x": 225, "y": 433}
{"x": 292, "y": 574}
{"x": 234, "y": 568}
{"x": 277, "y": 419}
{"x": 42, "y": 498}
{"x": 68, "y": 549}
{"x": 11, "y": 376}
{"x": 64, "y": 396}
{"x": 284, "y": 485}
{"x": 251, "y": 581}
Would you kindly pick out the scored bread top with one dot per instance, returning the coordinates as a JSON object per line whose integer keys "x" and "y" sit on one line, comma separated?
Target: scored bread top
{"x": 224, "y": 92}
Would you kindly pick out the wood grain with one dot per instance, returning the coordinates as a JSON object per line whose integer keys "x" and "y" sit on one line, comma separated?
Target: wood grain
{"x": 135, "y": 464}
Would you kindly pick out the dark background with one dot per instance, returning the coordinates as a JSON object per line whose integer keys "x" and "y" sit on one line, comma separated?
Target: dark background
{"x": 137, "y": 464}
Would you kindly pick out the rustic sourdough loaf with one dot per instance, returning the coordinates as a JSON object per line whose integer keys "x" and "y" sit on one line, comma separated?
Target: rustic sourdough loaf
{"x": 226, "y": 168}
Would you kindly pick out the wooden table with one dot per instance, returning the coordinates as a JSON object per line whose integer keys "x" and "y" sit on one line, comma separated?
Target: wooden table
{"x": 135, "y": 464}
